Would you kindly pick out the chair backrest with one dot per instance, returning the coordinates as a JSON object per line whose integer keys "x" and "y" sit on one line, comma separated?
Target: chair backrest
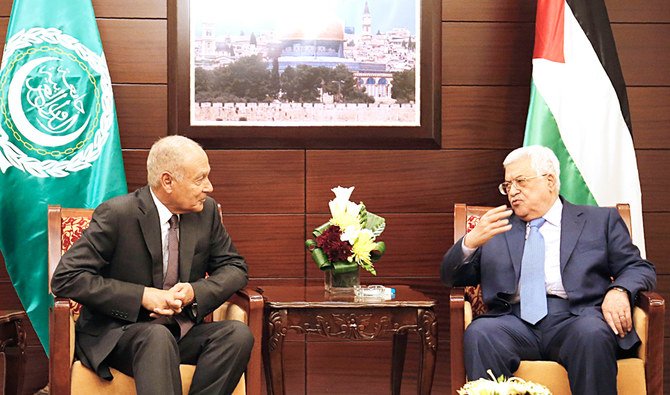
{"x": 65, "y": 226}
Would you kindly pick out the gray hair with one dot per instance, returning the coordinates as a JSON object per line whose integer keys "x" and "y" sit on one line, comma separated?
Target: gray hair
{"x": 542, "y": 160}
{"x": 166, "y": 155}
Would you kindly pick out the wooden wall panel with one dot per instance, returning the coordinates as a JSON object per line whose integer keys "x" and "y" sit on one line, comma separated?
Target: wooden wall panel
{"x": 142, "y": 114}
{"x": 116, "y": 8}
{"x": 488, "y": 11}
{"x": 654, "y": 179}
{"x": 650, "y": 113}
{"x": 480, "y": 117}
{"x": 272, "y": 245}
{"x": 405, "y": 181}
{"x": 486, "y": 53}
{"x": 130, "y": 9}
{"x": 135, "y": 162}
{"x": 649, "y": 11}
{"x": 657, "y": 234}
{"x": 136, "y": 50}
{"x": 259, "y": 181}
{"x": 644, "y": 52}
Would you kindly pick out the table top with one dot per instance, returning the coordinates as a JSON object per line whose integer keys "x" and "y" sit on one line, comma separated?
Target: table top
{"x": 317, "y": 297}
{"x": 11, "y": 315}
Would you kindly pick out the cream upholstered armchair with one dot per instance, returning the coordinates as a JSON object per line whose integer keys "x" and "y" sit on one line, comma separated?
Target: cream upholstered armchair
{"x": 639, "y": 374}
{"x": 68, "y": 376}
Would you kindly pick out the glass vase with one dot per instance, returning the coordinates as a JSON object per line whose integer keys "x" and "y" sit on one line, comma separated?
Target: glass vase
{"x": 343, "y": 282}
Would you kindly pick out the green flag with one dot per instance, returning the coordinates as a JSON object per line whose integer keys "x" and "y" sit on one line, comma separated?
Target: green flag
{"x": 59, "y": 141}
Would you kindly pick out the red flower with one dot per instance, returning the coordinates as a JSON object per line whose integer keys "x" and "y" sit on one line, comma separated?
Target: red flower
{"x": 336, "y": 249}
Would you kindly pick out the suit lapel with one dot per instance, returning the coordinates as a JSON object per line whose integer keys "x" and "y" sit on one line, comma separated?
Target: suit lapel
{"x": 187, "y": 232}
{"x": 515, "y": 241}
{"x": 572, "y": 223}
{"x": 150, "y": 224}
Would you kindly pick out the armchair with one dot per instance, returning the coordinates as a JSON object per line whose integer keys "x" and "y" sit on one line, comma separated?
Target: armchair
{"x": 69, "y": 376}
{"x": 639, "y": 374}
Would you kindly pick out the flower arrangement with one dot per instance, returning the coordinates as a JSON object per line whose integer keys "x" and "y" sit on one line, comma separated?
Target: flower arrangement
{"x": 347, "y": 241}
{"x": 502, "y": 386}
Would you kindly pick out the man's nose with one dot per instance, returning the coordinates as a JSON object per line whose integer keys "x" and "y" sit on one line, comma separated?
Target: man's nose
{"x": 208, "y": 187}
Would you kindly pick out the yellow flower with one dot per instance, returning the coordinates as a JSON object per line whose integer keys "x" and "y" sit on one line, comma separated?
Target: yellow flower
{"x": 362, "y": 246}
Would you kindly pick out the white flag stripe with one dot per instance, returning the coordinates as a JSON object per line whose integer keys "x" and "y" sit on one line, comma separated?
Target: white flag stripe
{"x": 584, "y": 103}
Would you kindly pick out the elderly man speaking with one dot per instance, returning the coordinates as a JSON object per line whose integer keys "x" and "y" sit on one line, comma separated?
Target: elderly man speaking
{"x": 558, "y": 279}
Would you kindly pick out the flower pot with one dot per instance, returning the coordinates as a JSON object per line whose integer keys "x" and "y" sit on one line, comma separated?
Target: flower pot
{"x": 343, "y": 282}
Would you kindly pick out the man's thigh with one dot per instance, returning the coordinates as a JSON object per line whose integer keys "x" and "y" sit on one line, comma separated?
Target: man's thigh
{"x": 506, "y": 333}
{"x": 213, "y": 337}
{"x": 569, "y": 333}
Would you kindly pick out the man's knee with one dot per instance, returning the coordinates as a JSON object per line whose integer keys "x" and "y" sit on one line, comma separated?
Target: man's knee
{"x": 157, "y": 337}
{"x": 241, "y": 335}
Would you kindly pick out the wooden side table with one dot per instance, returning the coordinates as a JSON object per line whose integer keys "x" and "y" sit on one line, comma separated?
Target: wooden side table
{"x": 13, "y": 348}
{"x": 312, "y": 311}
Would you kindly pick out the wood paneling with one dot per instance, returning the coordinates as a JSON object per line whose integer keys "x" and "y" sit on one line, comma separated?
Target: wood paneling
{"x": 484, "y": 116}
{"x": 136, "y": 50}
{"x": 657, "y": 234}
{"x": 142, "y": 114}
{"x": 488, "y": 11}
{"x": 259, "y": 181}
{"x": 8, "y": 298}
{"x": 649, "y": 11}
{"x": 116, "y": 8}
{"x": 135, "y": 162}
{"x": 130, "y": 8}
{"x": 654, "y": 179}
{"x": 272, "y": 245}
{"x": 650, "y": 113}
{"x": 486, "y": 53}
{"x": 644, "y": 52}
{"x": 405, "y": 181}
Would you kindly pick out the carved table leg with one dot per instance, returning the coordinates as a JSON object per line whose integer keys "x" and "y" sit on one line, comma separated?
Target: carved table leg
{"x": 398, "y": 363}
{"x": 428, "y": 350}
{"x": 273, "y": 349}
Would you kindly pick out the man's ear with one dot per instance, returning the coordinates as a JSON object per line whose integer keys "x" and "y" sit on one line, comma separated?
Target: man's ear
{"x": 167, "y": 182}
{"x": 551, "y": 178}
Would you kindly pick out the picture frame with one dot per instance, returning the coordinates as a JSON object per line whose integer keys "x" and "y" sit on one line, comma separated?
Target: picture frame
{"x": 303, "y": 124}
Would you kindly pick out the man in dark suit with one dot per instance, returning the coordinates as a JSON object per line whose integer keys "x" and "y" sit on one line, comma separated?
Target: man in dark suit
{"x": 588, "y": 274}
{"x": 139, "y": 271}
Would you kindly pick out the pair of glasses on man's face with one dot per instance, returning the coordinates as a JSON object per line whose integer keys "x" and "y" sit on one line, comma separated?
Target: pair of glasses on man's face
{"x": 518, "y": 183}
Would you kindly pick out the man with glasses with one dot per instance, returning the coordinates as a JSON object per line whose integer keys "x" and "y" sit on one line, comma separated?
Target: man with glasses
{"x": 558, "y": 279}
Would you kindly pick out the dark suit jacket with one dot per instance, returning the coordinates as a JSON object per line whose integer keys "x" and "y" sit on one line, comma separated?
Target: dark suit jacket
{"x": 120, "y": 253}
{"x": 595, "y": 247}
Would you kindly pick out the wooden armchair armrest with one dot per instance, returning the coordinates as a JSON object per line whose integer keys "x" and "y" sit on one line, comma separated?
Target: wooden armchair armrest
{"x": 653, "y": 305}
{"x": 252, "y": 302}
{"x": 60, "y": 347}
{"x": 456, "y": 330}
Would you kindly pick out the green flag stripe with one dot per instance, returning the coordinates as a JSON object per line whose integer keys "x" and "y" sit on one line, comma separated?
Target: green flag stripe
{"x": 542, "y": 129}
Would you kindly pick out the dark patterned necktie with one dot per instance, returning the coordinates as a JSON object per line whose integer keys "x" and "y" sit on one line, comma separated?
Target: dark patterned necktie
{"x": 172, "y": 272}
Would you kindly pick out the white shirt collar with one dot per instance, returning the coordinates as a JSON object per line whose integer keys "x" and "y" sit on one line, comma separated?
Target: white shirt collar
{"x": 553, "y": 216}
{"x": 164, "y": 213}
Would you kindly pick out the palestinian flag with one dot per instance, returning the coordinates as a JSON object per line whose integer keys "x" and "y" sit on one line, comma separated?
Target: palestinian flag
{"x": 579, "y": 108}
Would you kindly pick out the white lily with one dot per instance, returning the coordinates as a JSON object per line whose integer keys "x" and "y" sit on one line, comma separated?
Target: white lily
{"x": 344, "y": 213}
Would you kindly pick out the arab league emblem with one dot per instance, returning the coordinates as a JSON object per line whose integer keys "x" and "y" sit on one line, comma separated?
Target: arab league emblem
{"x": 56, "y": 104}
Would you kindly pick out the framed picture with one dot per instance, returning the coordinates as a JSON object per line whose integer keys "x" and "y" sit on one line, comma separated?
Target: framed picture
{"x": 320, "y": 74}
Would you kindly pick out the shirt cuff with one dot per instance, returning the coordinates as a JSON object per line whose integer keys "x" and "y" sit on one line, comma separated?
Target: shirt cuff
{"x": 467, "y": 251}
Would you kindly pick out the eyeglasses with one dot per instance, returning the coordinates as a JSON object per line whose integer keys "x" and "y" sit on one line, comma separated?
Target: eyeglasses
{"x": 519, "y": 183}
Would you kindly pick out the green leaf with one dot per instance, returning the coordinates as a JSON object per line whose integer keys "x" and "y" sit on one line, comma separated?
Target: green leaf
{"x": 375, "y": 223}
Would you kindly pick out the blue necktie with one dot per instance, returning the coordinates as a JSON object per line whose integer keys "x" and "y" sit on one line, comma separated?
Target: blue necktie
{"x": 533, "y": 293}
